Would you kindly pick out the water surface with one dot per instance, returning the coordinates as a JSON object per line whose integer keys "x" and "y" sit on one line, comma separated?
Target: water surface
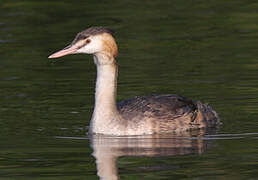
{"x": 205, "y": 50}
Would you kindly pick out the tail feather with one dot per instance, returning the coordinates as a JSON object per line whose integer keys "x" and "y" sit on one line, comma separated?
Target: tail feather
{"x": 206, "y": 116}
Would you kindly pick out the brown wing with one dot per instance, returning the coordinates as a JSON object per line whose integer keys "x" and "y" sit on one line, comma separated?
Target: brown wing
{"x": 160, "y": 106}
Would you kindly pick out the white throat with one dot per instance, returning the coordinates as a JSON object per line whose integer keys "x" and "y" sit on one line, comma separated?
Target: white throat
{"x": 105, "y": 109}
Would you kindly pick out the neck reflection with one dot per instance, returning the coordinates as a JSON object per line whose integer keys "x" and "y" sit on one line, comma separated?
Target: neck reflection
{"x": 106, "y": 149}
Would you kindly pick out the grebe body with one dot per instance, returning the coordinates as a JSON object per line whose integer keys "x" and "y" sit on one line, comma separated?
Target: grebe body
{"x": 139, "y": 115}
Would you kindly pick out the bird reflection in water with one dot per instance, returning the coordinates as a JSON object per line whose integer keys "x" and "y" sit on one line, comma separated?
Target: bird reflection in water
{"x": 107, "y": 149}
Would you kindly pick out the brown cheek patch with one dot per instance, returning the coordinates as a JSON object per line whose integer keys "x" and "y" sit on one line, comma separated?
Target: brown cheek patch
{"x": 110, "y": 45}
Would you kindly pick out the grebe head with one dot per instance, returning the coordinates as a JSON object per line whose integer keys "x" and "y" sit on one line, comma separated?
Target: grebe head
{"x": 95, "y": 40}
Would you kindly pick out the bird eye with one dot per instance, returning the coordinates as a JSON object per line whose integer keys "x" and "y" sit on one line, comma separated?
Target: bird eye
{"x": 88, "y": 41}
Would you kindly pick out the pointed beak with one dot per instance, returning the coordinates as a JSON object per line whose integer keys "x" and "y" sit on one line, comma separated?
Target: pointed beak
{"x": 68, "y": 50}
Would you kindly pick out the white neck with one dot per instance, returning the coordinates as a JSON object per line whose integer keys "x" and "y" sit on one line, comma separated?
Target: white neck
{"x": 105, "y": 109}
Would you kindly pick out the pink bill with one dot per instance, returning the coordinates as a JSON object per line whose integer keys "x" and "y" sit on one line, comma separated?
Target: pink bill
{"x": 63, "y": 52}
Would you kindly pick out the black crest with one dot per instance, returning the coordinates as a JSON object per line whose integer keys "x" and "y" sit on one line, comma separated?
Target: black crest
{"x": 91, "y": 32}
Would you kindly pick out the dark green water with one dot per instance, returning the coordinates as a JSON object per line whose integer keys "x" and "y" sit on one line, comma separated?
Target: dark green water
{"x": 205, "y": 49}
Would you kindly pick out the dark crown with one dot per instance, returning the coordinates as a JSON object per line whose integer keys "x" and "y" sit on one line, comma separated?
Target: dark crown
{"x": 91, "y": 32}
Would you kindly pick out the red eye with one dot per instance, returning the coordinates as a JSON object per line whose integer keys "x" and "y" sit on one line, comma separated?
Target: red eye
{"x": 88, "y": 41}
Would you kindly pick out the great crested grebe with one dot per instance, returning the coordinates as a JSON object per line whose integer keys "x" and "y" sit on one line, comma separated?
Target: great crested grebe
{"x": 139, "y": 115}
